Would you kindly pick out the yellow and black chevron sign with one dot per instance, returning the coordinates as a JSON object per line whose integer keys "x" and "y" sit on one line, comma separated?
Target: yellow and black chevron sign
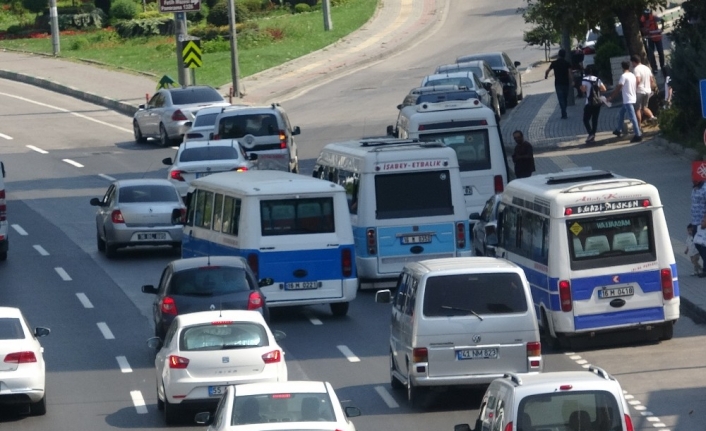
{"x": 191, "y": 54}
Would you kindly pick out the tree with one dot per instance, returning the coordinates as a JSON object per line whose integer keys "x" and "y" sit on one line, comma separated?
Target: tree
{"x": 35, "y": 6}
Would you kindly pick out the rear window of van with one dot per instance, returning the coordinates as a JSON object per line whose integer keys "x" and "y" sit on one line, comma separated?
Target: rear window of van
{"x": 296, "y": 216}
{"x": 414, "y": 194}
{"x": 237, "y": 126}
{"x": 466, "y": 294}
{"x": 574, "y": 410}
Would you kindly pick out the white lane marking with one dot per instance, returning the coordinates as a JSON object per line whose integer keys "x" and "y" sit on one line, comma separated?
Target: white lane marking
{"x": 71, "y": 162}
{"x": 629, "y": 397}
{"x": 658, "y": 425}
{"x": 105, "y": 331}
{"x": 312, "y": 319}
{"x": 84, "y": 300}
{"x": 106, "y": 177}
{"x": 653, "y": 419}
{"x": 575, "y": 357}
{"x": 646, "y": 413}
{"x": 123, "y": 364}
{"x": 68, "y": 112}
{"x": 634, "y": 402}
{"x": 19, "y": 229}
{"x": 139, "y": 402}
{"x": 348, "y": 354}
{"x": 62, "y": 273}
{"x": 639, "y": 407}
{"x": 41, "y": 250}
{"x": 37, "y": 149}
{"x": 391, "y": 403}
{"x": 587, "y": 366}
{"x": 8, "y": 137}
{"x": 582, "y": 361}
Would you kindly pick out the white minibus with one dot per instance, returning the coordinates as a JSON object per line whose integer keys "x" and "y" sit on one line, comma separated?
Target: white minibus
{"x": 470, "y": 129}
{"x": 595, "y": 249}
{"x": 293, "y": 230}
{"x": 405, "y": 200}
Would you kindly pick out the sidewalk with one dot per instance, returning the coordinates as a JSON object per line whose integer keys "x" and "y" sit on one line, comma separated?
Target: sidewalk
{"x": 396, "y": 25}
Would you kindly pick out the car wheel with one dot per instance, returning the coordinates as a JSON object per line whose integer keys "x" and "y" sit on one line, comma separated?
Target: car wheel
{"x": 111, "y": 250}
{"x": 394, "y": 383}
{"x": 160, "y": 403}
{"x": 163, "y": 136}
{"x": 522, "y": 93}
{"x": 138, "y": 133}
{"x": 549, "y": 339}
{"x": 667, "y": 331}
{"x": 414, "y": 393}
{"x": 339, "y": 309}
{"x": 40, "y": 407}
{"x": 503, "y": 106}
{"x": 496, "y": 108}
{"x": 100, "y": 242}
{"x": 3, "y": 256}
{"x": 171, "y": 413}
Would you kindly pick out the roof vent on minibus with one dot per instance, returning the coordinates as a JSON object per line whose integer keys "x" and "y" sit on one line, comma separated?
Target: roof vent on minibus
{"x": 574, "y": 177}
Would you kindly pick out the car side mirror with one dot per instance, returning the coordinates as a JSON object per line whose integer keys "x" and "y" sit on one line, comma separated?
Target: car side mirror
{"x": 203, "y": 418}
{"x": 178, "y": 216}
{"x": 266, "y": 282}
{"x": 148, "y": 288}
{"x": 41, "y": 331}
{"x": 400, "y": 106}
{"x": 390, "y": 130}
{"x": 474, "y": 216}
{"x": 279, "y": 335}
{"x": 155, "y": 343}
{"x": 517, "y": 63}
{"x": 188, "y": 124}
{"x": 141, "y": 106}
{"x": 96, "y": 202}
{"x": 167, "y": 161}
{"x": 210, "y": 136}
{"x": 462, "y": 427}
{"x": 492, "y": 240}
{"x": 352, "y": 412}
{"x": 252, "y": 157}
{"x": 383, "y": 296}
{"x": 296, "y": 130}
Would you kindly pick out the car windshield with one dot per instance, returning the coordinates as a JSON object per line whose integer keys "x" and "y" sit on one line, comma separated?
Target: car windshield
{"x": 191, "y": 95}
{"x": 223, "y": 335}
{"x": 209, "y": 281}
{"x": 148, "y": 193}
{"x": 202, "y": 120}
{"x": 237, "y": 126}
{"x": 460, "y": 81}
{"x": 11, "y": 329}
{"x": 282, "y": 407}
{"x": 571, "y": 410}
{"x": 415, "y": 194}
{"x": 464, "y": 294}
{"x": 198, "y": 154}
{"x": 472, "y": 147}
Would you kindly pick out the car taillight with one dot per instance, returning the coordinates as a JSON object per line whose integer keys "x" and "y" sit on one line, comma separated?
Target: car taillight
{"x": 254, "y": 263}
{"x": 117, "y": 217}
{"x": 178, "y": 362}
{"x": 498, "y": 185}
{"x": 628, "y": 423}
{"x": 168, "y": 306}
{"x": 588, "y": 50}
{"x": 3, "y": 206}
{"x": 254, "y": 301}
{"x": 282, "y": 139}
{"x": 176, "y": 175}
{"x": 371, "y": 239}
{"x": 667, "y": 285}
{"x": 272, "y": 357}
{"x": 178, "y": 116}
{"x": 240, "y": 169}
{"x": 565, "y": 295}
{"x": 183, "y": 214}
{"x": 508, "y": 427}
{"x": 460, "y": 235}
{"x": 20, "y": 357}
{"x": 346, "y": 262}
{"x": 420, "y": 354}
{"x": 534, "y": 348}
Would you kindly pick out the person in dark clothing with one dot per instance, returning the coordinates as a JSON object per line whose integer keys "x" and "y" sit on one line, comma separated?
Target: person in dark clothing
{"x": 562, "y": 79}
{"x": 577, "y": 70}
{"x": 592, "y": 108}
{"x": 522, "y": 156}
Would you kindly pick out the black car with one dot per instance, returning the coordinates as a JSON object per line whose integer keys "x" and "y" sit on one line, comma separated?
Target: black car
{"x": 203, "y": 284}
{"x": 484, "y": 229}
{"x": 487, "y": 76}
{"x": 505, "y": 69}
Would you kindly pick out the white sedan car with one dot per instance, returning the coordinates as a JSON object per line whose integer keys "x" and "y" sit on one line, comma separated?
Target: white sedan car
{"x": 22, "y": 368}
{"x": 205, "y": 352}
{"x": 293, "y": 405}
{"x": 466, "y": 79}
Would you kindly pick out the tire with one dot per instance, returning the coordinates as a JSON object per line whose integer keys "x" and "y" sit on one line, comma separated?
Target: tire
{"x": 3, "y": 256}
{"x": 667, "y": 331}
{"x": 160, "y": 403}
{"x": 339, "y": 309}
{"x": 111, "y": 250}
{"x": 503, "y": 106}
{"x": 551, "y": 341}
{"x": 394, "y": 383}
{"x": 496, "y": 108}
{"x": 39, "y": 408}
{"x": 171, "y": 413}
{"x": 138, "y": 133}
{"x": 100, "y": 242}
{"x": 164, "y": 140}
{"x": 522, "y": 93}
{"x": 414, "y": 393}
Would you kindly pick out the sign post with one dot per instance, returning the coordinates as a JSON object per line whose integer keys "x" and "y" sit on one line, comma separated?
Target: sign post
{"x": 179, "y": 8}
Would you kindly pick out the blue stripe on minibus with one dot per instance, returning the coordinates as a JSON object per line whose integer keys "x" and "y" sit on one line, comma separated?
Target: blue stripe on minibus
{"x": 618, "y": 318}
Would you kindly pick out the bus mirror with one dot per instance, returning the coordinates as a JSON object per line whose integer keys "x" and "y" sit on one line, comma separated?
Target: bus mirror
{"x": 266, "y": 282}
{"x": 474, "y": 216}
{"x": 492, "y": 240}
{"x": 383, "y": 296}
{"x": 177, "y": 216}
{"x": 390, "y": 130}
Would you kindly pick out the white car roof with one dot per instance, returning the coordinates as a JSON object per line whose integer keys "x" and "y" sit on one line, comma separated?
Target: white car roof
{"x": 209, "y": 143}
{"x": 468, "y": 264}
{"x": 220, "y": 315}
{"x": 291, "y": 386}
{"x": 144, "y": 182}
{"x": 550, "y": 382}
{"x": 267, "y": 182}
{"x": 10, "y": 312}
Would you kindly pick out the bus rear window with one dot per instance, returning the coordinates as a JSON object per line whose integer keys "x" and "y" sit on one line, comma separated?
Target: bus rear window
{"x": 296, "y": 216}
{"x": 413, "y": 194}
{"x": 471, "y": 147}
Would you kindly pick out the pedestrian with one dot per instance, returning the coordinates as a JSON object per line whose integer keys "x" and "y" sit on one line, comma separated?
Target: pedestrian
{"x": 652, "y": 33}
{"x": 522, "y": 156}
{"x": 667, "y": 73}
{"x": 698, "y": 202}
{"x": 700, "y": 242}
{"x": 577, "y": 70}
{"x": 592, "y": 87}
{"x": 562, "y": 79}
{"x": 645, "y": 83}
{"x": 627, "y": 86}
{"x": 691, "y": 250}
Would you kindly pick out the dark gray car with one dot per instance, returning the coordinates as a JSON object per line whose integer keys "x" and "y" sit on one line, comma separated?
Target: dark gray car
{"x": 505, "y": 69}
{"x": 486, "y": 75}
{"x": 485, "y": 236}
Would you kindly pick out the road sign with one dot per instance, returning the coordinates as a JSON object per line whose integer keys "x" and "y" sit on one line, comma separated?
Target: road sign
{"x": 191, "y": 54}
{"x": 702, "y": 84}
{"x": 179, "y": 5}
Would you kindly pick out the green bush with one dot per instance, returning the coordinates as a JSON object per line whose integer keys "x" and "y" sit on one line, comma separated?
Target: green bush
{"x": 149, "y": 14}
{"x": 35, "y": 6}
{"x": 602, "y": 59}
{"x": 219, "y": 44}
{"x": 210, "y": 32}
{"x": 123, "y": 9}
{"x": 197, "y": 17}
{"x": 301, "y": 8}
{"x": 145, "y": 27}
{"x": 338, "y": 2}
{"x": 79, "y": 43}
{"x": 81, "y": 21}
{"x": 218, "y": 15}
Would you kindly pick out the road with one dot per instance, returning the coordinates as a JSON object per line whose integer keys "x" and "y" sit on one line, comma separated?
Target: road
{"x": 100, "y": 375}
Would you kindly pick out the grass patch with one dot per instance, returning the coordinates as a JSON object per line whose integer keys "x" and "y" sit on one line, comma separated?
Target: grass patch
{"x": 290, "y": 37}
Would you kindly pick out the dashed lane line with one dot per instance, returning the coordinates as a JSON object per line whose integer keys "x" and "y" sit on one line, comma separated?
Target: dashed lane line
{"x": 19, "y": 229}
{"x": 138, "y": 402}
{"x": 41, "y": 250}
{"x": 106, "y": 177}
{"x": 123, "y": 364}
{"x": 107, "y": 334}
{"x": 348, "y": 354}
{"x": 386, "y": 397}
{"x": 4, "y": 136}
{"x": 72, "y": 162}
{"x": 312, "y": 319}
{"x": 37, "y": 149}
{"x": 84, "y": 300}
{"x": 62, "y": 273}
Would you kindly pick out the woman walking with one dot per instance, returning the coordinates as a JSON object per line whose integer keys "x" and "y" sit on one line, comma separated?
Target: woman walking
{"x": 592, "y": 88}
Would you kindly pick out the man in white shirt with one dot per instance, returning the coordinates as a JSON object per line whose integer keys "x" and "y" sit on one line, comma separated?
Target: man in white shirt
{"x": 627, "y": 85}
{"x": 645, "y": 79}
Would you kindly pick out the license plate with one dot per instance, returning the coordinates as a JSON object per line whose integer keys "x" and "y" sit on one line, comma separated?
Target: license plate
{"x": 302, "y": 285}
{"x": 202, "y": 174}
{"x": 489, "y": 353}
{"x": 151, "y": 236}
{"x": 416, "y": 239}
{"x": 216, "y": 391}
{"x": 468, "y": 190}
{"x": 616, "y": 292}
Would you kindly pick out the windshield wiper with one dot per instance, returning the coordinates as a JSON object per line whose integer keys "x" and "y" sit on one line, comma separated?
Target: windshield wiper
{"x": 467, "y": 310}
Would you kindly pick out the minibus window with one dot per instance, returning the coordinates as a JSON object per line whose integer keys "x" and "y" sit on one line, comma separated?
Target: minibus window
{"x": 413, "y": 194}
{"x": 203, "y": 210}
{"x": 296, "y": 216}
{"x": 231, "y": 215}
{"x": 472, "y": 147}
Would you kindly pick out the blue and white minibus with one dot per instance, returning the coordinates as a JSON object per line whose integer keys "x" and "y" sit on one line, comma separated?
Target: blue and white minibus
{"x": 405, "y": 200}
{"x": 293, "y": 230}
{"x": 595, "y": 249}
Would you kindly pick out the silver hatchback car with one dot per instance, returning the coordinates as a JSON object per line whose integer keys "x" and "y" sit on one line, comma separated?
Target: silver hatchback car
{"x": 138, "y": 212}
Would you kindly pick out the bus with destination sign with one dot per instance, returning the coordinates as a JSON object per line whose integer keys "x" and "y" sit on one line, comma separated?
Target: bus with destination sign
{"x": 595, "y": 249}
{"x": 405, "y": 200}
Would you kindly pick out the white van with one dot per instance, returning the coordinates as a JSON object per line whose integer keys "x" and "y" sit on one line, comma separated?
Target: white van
{"x": 470, "y": 129}
{"x": 4, "y": 244}
{"x": 461, "y": 321}
{"x": 293, "y": 230}
{"x": 405, "y": 201}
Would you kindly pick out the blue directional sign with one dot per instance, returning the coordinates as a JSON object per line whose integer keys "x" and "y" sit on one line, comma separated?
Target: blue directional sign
{"x": 703, "y": 97}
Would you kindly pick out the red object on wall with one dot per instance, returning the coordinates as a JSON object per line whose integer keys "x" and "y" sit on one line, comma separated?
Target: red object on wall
{"x": 698, "y": 171}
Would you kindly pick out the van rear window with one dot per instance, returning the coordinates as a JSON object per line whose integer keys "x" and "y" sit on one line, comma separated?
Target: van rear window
{"x": 572, "y": 410}
{"x": 414, "y": 194}
{"x": 472, "y": 147}
{"x": 297, "y": 216}
{"x": 237, "y": 126}
{"x": 466, "y": 294}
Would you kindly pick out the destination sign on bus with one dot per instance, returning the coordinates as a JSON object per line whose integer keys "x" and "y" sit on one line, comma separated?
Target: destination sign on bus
{"x": 405, "y": 166}
{"x": 605, "y": 206}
